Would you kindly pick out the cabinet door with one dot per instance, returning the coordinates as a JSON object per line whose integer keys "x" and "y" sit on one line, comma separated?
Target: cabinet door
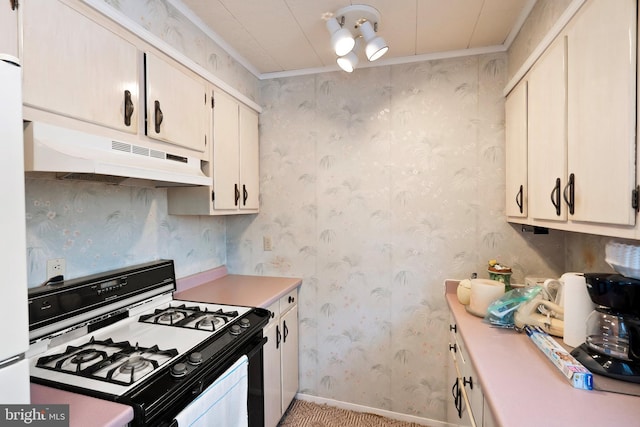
{"x": 547, "y": 149}
{"x": 249, "y": 158}
{"x": 289, "y": 356}
{"x": 8, "y": 31}
{"x": 471, "y": 385}
{"x": 176, "y": 105}
{"x": 272, "y": 375}
{"x": 602, "y": 110}
{"x": 74, "y": 67}
{"x": 516, "y": 151}
{"x": 225, "y": 152}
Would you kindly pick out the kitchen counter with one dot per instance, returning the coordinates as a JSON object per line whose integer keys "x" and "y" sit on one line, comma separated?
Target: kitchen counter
{"x": 219, "y": 288}
{"x": 83, "y": 410}
{"x": 523, "y": 388}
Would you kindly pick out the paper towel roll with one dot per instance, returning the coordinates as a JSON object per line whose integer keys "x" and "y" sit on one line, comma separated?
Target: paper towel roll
{"x": 577, "y": 307}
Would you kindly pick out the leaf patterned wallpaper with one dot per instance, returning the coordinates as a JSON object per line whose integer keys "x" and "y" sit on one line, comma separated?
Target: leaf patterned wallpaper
{"x": 375, "y": 187}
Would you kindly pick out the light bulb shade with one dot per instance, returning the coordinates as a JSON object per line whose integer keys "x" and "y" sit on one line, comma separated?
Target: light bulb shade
{"x": 348, "y": 62}
{"x": 342, "y": 40}
{"x": 376, "y": 48}
{"x": 375, "y": 45}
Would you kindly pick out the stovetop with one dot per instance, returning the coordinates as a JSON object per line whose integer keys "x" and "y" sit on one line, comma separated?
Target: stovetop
{"x": 112, "y": 331}
{"x": 116, "y": 358}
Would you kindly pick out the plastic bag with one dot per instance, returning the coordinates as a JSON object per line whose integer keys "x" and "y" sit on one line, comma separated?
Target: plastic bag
{"x": 500, "y": 312}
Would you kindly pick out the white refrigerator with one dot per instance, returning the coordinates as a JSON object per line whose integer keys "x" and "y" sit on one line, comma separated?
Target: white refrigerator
{"x": 14, "y": 318}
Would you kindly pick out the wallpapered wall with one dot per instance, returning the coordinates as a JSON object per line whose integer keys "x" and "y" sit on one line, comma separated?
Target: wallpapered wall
{"x": 375, "y": 187}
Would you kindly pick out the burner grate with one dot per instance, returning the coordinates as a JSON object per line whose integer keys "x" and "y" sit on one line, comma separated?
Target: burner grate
{"x": 118, "y": 363}
{"x": 190, "y": 317}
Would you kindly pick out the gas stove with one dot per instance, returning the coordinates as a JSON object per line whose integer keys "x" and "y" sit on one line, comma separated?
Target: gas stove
{"x": 121, "y": 336}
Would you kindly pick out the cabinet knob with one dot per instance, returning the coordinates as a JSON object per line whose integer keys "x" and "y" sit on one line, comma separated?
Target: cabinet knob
{"x": 291, "y": 299}
{"x": 453, "y": 328}
{"x": 453, "y": 347}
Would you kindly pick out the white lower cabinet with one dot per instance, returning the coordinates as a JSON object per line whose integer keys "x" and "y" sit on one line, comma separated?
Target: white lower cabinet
{"x": 281, "y": 358}
{"x": 466, "y": 405}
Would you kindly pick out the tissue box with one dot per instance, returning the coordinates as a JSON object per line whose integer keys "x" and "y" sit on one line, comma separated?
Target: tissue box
{"x": 574, "y": 371}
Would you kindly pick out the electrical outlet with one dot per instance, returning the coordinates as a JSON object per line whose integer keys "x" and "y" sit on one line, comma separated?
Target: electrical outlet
{"x": 266, "y": 243}
{"x": 56, "y": 267}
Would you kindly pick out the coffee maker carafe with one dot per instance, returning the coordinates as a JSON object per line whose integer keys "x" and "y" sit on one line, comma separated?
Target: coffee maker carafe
{"x": 612, "y": 345}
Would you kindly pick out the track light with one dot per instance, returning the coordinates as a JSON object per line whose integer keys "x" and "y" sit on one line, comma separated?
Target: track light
{"x": 348, "y": 62}
{"x": 342, "y": 40}
{"x": 375, "y": 45}
{"x": 355, "y": 23}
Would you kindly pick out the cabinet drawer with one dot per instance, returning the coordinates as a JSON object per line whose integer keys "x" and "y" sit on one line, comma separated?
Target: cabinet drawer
{"x": 275, "y": 312}
{"x": 288, "y": 301}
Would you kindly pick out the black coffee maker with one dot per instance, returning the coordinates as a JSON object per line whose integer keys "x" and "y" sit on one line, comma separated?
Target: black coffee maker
{"x": 612, "y": 345}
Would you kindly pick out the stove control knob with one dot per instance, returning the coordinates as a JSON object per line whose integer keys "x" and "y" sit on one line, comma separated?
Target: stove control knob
{"x": 244, "y": 323}
{"x": 195, "y": 358}
{"x": 179, "y": 370}
{"x": 235, "y": 330}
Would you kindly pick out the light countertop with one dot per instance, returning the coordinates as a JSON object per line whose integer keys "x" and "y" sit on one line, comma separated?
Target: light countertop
{"x": 252, "y": 291}
{"x": 523, "y": 388}
{"x": 83, "y": 410}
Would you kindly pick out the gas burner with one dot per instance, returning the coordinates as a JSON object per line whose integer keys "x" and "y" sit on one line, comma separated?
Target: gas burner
{"x": 119, "y": 363}
{"x": 134, "y": 363}
{"x": 171, "y": 317}
{"x": 191, "y": 317}
{"x": 78, "y": 359}
{"x": 87, "y": 355}
{"x": 211, "y": 322}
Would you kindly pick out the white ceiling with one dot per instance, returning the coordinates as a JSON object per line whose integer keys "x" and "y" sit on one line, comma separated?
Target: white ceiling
{"x": 286, "y": 37}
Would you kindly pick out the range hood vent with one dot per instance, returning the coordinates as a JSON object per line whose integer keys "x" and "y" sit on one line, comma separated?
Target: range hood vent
{"x": 72, "y": 154}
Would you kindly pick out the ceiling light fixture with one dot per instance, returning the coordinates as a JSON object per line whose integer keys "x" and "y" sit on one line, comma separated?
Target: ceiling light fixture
{"x": 350, "y": 24}
{"x": 376, "y": 46}
{"x": 348, "y": 62}
{"x": 342, "y": 40}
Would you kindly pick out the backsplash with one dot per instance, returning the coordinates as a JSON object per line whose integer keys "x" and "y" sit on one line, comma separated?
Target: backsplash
{"x": 98, "y": 227}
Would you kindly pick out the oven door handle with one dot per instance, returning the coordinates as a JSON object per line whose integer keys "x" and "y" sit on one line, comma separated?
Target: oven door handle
{"x": 257, "y": 347}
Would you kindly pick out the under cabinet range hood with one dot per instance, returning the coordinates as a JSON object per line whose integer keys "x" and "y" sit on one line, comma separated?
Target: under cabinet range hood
{"x": 72, "y": 154}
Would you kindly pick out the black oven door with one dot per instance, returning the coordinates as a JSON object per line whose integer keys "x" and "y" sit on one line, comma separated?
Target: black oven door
{"x": 253, "y": 349}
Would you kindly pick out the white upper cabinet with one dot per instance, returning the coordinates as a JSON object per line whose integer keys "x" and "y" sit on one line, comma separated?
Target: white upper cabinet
{"x": 234, "y": 165}
{"x": 249, "y": 142}
{"x": 74, "y": 67}
{"x": 235, "y": 155}
{"x": 226, "y": 156}
{"x": 602, "y": 111}
{"x": 516, "y": 151}
{"x": 9, "y": 31}
{"x": 581, "y": 112}
{"x": 177, "y": 105}
{"x": 546, "y": 131}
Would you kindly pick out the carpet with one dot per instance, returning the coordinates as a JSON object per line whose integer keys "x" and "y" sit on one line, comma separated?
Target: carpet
{"x": 307, "y": 414}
